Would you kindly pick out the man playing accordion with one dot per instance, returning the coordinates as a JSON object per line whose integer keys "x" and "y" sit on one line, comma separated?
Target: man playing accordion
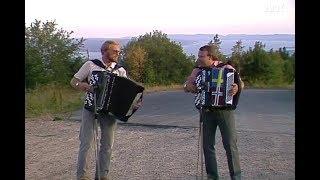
{"x": 110, "y": 51}
{"x": 211, "y": 118}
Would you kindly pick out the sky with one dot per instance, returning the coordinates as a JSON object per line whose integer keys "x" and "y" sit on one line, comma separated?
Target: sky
{"x": 128, "y": 18}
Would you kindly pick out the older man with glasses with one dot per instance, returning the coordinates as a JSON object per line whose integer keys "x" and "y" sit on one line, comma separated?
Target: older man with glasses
{"x": 110, "y": 51}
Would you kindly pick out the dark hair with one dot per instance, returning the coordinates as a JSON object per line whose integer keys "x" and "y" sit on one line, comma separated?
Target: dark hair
{"x": 212, "y": 51}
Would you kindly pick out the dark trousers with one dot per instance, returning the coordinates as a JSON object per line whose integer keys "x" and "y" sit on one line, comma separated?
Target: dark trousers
{"x": 226, "y": 122}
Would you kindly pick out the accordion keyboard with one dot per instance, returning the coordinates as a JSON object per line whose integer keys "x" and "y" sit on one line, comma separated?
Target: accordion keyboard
{"x": 230, "y": 81}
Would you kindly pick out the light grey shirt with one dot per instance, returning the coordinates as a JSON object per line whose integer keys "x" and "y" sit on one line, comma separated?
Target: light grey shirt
{"x": 86, "y": 70}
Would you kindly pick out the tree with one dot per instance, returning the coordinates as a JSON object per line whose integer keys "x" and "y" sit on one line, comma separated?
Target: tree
{"x": 165, "y": 62}
{"x": 276, "y": 73}
{"x": 237, "y": 55}
{"x": 284, "y": 53}
{"x": 216, "y": 41}
{"x": 289, "y": 64}
{"x": 51, "y": 55}
{"x": 135, "y": 59}
{"x": 216, "y": 45}
{"x": 262, "y": 67}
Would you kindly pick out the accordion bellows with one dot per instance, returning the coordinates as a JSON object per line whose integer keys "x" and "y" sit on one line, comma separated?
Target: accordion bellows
{"x": 213, "y": 85}
{"x": 114, "y": 94}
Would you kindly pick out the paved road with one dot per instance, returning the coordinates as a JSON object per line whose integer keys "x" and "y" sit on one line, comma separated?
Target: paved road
{"x": 160, "y": 140}
{"x": 264, "y": 110}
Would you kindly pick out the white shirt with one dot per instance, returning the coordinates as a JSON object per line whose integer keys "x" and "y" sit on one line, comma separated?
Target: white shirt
{"x": 86, "y": 70}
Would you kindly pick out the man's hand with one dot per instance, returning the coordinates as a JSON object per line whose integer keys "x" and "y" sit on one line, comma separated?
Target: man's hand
{"x": 190, "y": 88}
{"x": 83, "y": 86}
{"x": 138, "y": 105}
{"x": 234, "y": 89}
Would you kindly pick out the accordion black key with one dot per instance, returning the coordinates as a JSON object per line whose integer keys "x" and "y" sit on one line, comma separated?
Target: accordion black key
{"x": 213, "y": 85}
{"x": 114, "y": 94}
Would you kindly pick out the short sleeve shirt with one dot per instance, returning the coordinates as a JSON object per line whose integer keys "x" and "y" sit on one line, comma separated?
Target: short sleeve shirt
{"x": 86, "y": 70}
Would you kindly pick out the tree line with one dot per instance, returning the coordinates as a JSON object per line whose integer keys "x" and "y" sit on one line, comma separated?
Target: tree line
{"x": 258, "y": 66}
{"x": 52, "y": 56}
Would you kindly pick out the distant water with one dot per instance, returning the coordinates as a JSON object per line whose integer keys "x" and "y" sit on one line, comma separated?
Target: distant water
{"x": 95, "y": 55}
{"x": 226, "y": 46}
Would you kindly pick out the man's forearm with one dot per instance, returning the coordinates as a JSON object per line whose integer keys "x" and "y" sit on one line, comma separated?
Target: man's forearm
{"x": 79, "y": 85}
{"x": 75, "y": 83}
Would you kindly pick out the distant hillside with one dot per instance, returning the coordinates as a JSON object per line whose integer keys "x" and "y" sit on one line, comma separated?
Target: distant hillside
{"x": 94, "y": 44}
{"x": 268, "y": 37}
{"x": 191, "y": 43}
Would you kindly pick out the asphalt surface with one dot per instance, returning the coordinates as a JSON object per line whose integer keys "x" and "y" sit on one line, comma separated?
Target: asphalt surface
{"x": 161, "y": 140}
{"x": 261, "y": 110}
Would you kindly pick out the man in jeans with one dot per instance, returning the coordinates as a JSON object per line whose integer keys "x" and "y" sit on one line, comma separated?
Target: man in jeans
{"x": 110, "y": 51}
{"x": 213, "y": 118}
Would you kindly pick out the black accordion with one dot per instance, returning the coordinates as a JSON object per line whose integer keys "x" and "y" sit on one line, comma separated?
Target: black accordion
{"x": 113, "y": 94}
{"x": 213, "y": 86}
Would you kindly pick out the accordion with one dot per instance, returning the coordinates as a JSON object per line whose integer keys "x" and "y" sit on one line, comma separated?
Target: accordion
{"x": 113, "y": 94}
{"x": 213, "y": 85}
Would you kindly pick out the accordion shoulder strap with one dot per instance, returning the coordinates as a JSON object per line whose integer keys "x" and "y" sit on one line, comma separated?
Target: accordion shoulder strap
{"x": 221, "y": 64}
{"x": 100, "y": 64}
{"x": 117, "y": 66}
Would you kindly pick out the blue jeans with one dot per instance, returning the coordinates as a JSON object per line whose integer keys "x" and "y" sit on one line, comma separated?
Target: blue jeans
{"x": 226, "y": 122}
{"x": 107, "y": 126}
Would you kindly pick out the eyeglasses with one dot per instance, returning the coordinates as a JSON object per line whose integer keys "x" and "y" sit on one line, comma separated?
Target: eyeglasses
{"x": 113, "y": 50}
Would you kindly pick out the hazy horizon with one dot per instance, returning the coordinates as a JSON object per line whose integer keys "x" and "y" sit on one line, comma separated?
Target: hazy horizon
{"x": 220, "y": 35}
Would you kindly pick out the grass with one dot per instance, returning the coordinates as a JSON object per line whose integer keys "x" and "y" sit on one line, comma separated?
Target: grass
{"x": 270, "y": 86}
{"x": 53, "y": 100}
